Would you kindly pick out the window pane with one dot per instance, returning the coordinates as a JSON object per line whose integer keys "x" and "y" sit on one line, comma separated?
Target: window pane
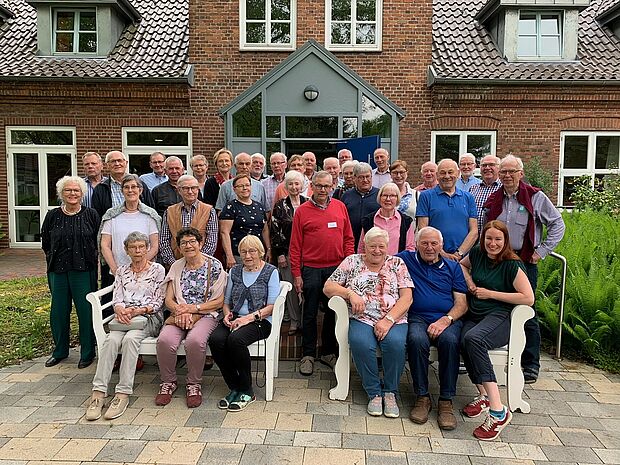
{"x": 88, "y": 21}
{"x": 607, "y": 152}
{"x": 479, "y": 146}
{"x": 58, "y": 165}
{"x": 576, "y": 152}
{"x": 365, "y": 34}
{"x": 28, "y": 225}
{"x": 280, "y": 10}
{"x": 366, "y": 10}
{"x": 375, "y": 121}
{"x": 64, "y": 20}
{"x": 280, "y": 33}
{"x": 550, "y": 46}
{"x": 527, "y": 47}
{"x": 527, "y": 24}
{"x": 26, "y": 176}
{"x": 88, "y": 42}
{"x": 447, "y": 146}
{"x": 549, "y": 24}
{"x": 273, "y": 126}
{"x": 341, "y": 33}
{"x": 255, "y": 9}
{"x": 312, "y": 126}
{"x": 255, "y": 33}
{"x": 64, "y": 42}
{"x": 568, "y": 190}
{"x": 35, "y": 137}
{"x": 158, "y": 138}
{"x": 341, "y": 10}
{"x": 247, "y": 121}
{"x": 349, "y": 127}
{"x": 273, "y": 147}
{"x": 139, "y": 163}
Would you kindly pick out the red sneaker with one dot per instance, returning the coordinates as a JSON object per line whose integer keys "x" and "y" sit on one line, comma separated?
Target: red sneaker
{"x": 491, "y": 427}
{"x": 164, "y": 396}
{"x": 476, "y": 407}
{"x": 193, "y": 395}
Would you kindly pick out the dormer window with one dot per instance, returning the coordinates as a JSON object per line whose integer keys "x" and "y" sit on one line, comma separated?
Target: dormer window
{"x": 539, "y": 35}
{"x": 75, "y": 31}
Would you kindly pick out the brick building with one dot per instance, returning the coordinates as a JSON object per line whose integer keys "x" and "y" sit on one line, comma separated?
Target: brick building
{"x": 431, "y": 79}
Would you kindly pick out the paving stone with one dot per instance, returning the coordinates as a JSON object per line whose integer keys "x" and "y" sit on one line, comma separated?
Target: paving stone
{"x": 531, "y": 419}
{"x": 339, "y": 408}
{"x": 572, "y": 436}
{"x": 55, "y": 415}
{"x": 169, "y": 452}
{"x": 527, "y": 452}
{"x": 604, "y": 387}
{"x": 609, "y": 439}
{"x": 255, "y": 454}
{"x": 538, "y": 395}
{"x": 530, "y": 435}
{"x": 206, "y": 418}
{"x": 314, "y": 439}
{"x": 574, "y": 385}
{"x": 15, "y": 414}
{"x": 157, "y": 433}
{"x": 280, "y": 438}
{"x": 607, "y": 398}
{"x": 297, "y": 395}
{"x": 366, "y": 441}
{"x": 294, "y": 422}
{"x": 31, "y": 448}
{"x": 384, "y": 425}
{"x": 338, "y": 424}
{"x": 80, "y": 449}
{"x": 13, "y": 462}
{"x": 428, "y": 429}
{"x": 496, "y": 449}
{"x": 8, "y": 400}
{"x": 73, "y": 401}
{"x": 286, "y": 407}
{"x": 248, "y": 419}
{"x": 568, "y": 421}
{"x": 15, "y": 430}
{"x": 608, "y": 455}
{"x": 610, "y": 424}
{"x": 546, "y": 384}
{"x": 499, "y": 461}
{"x": 125, "y": 432}
{"x": 162, "y": 417}
{"x": 221, "y": 454}
{"x": 340, "y": 456}
{"x": 455, "y": 446}
{"x": 221, "y": 435}
{"x": 572, "y": 396}
{"x": 121, "y": 451}
{"x": 45, "y": 430}
{"x": 375, "y": 457}
{"x": 92, "y": 431}
{"x": 552, "y": 407}
{"x": 251, "y": 436}
{"x": 185, "y": 434}
{"x": 73, "y": 389}
{"x": 38, "y": 401}
{"x": 597, "y": 410}
{"x": 436, "y": 459}
{"x": 570, "y": 454}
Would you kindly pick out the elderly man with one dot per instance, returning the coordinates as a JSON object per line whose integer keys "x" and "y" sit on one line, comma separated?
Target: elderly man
{"x": 277, "y": 162}
{"x": 467, "y": 165}
{"x": 429, "y": 176}
{"x": 320, "y": 239}
{"x": 381, "y": 174}
{"x": 93, "y": 167}
{"x": 310, "y": 164}
{"x": 108, "y": 192}
{"x": 439, "y": 301}
{"x": 243, "y": 164}
{"x": 344, "y": 155}
{"x": 362, "y": 199}
{"x": 167, "y": 194}
{"x": 525, "y": 210}
{"x": 332, "y": 166}
{"x": 257, "y": 168}
{"x": 158, "y": 175}
{"x": 489, "y": 167}
{"x": 189, "y": 212}
{"x": 450, "y": 210}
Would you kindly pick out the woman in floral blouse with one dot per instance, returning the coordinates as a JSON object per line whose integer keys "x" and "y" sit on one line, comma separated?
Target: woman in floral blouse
{"x": 378, "y": 289}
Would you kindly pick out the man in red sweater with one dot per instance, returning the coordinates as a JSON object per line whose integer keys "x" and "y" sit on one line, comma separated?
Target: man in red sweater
{"x": 321, "y": 238}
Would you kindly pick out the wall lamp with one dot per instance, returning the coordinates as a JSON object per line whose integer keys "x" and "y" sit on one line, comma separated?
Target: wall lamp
{"x": 311, "y": 93}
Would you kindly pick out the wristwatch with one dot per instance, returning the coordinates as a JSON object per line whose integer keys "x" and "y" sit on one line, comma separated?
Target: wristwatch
{"x": 389, "y": 318}
{"x": 459, "y": 253}
{"x": 450, "y": 318}
{"x": 198, "y": 308}
{"x": 256, "y": 316}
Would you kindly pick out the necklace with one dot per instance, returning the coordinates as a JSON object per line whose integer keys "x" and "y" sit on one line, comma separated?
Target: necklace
{"x": 254, "y": 269}
{"x": 138, "y": 271}
{"x": 70, "y": 213}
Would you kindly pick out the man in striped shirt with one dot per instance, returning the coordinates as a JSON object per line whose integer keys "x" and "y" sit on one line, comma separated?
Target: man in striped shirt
{"x": 489, "y": 167}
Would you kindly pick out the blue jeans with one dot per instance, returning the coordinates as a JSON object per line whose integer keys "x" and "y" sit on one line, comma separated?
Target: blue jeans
{"x": 530, "y": 358}
{"x": 418, "y": 347}
{"x": 364, "y": 343}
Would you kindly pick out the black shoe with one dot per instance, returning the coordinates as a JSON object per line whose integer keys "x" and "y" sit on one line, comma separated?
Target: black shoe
{"x": 85, "y": 363}
{"x": 530, "y": 379}
{"x": 50, "y": 362}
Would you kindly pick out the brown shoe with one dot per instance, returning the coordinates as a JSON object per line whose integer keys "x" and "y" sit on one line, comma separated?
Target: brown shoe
{"x": 419, "y": 412}
{"x": 445, "y": 415}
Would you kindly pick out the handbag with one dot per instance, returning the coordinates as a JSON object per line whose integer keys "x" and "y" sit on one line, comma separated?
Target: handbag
{"x": 137, "y": 322}
{"x": 195, "y": 316}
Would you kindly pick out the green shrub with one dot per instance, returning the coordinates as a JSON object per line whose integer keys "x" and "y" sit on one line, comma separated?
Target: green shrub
{"x": 537, "y": 175}
{"x": 605, "y": 196}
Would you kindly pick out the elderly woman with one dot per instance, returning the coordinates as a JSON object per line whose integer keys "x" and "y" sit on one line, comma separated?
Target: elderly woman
{"x": 194, "y": 296}
{"x": 348, "y": 178}
{"x": 138, "y": 292}
{"x": 281, "y": 227}
{"x": 250, "y": 294}
{"x": 295, "y": 163}
{"x": 69, "y": 240}
{"x": 408, "y": 197}
{"x": 223, "y": 161}
{"x": 116, "y": 224}
{"x": 497, "y": 282}
{"x": 200, "y": 165}
{"x": 400, "y": 227}
{"x": 377, "y": 287}
{"x": 240, "y": 217}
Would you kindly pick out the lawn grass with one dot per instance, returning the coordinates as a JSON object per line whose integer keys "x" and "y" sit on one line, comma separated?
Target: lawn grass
{"x": 24, "y": 320}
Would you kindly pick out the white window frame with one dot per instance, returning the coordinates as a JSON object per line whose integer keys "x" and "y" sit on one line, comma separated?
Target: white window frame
{"x": 178, "y": 150}
{"x": 353, "y": 47}
{"x": 538, "y": 55}
{"x": 76, "y": 30}
{"x": 41, "y": 151}
{"x": 267, "y": 46}
{"x": 463, "y": 142}
{"x": 590, "y": 169}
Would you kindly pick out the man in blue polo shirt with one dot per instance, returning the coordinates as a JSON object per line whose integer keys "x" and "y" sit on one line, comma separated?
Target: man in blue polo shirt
{"x": 450, "y": 210}
{"x": 434, "y": 319}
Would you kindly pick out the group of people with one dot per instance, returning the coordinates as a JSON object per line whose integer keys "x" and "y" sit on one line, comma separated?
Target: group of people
{"x": 405, "y": 259}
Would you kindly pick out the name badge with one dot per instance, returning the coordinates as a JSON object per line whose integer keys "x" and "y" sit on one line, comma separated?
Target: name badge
{"x": 521, "y": 208}
{"x": 332, "y": 224}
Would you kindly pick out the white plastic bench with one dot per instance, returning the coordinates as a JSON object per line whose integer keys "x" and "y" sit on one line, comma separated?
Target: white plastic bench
{"x": 270, "y": 348}
{"x": 506, "y": 361}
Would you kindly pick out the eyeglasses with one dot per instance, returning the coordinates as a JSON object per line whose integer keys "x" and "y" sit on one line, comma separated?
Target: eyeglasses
{"x": 242, "y": 185}
{"x": 508, "y": 172}
{"x": 488, "y": 165}
{"x": 364, "y": 176}
{"x": 398, "y": 173}
{"x": 248, "y": 252}
{"x": 131, "y": 187}
{"x": 120, "y": 160}
{"x": 467, "y": 163}
{"x": 190, "y": 242}
{"x": 319, "y": 187}
{"x": 72, "y": 191}
{"x": 389, "y": 196}
{"x": 189, "y": 188}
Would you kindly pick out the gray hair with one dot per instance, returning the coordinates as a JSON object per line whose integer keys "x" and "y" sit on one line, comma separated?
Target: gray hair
{"x": 92, "y": 154}
{"x": 62, "y": 182}
{"x": 374, "y": 233}
{"x": 429, "y": 163}
{"x": 428, "y": 229}
{"x": 171, "y": 159}
{"x": 495, "y": 158}
{"x": 293, "y": 176}
{"x": 252, "y": 241}
{"x": 360, "y": 168}
{"x": 350, "y": 164}
{"x": 467, "y": 155}
{"x": 332, "y": 159}
{"x": 131, "y": 177}
{"x": 258, "y": 155}
{"x": 185, "y": 177}
{"x": 446, "y": 160}
{"x": 389, "y": 185}
{"x": 157, "y": 153}
{"x": 136, "y": 236}
{"x": 198, "y": 157}
{"x": 341, "y": 151}
{"x": 107, "y": 155}
{"x": 511, "y": 157}
{"x": 280, "y": 154}
{"x": 320, "y": 174}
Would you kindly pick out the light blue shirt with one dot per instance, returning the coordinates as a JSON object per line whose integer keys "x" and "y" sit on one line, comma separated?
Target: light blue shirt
{"x": 465, "y": 186}
{"x": 227, "y": 194}
{"x": 152, "y": 180}
{"x": 249, "y": 277}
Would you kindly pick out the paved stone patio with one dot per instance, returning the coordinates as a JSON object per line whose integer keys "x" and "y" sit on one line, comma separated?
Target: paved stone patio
{"x": 575, "y": 418}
